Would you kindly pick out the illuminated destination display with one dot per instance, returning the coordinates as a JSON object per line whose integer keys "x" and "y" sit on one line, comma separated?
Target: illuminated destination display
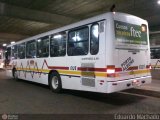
{"x": 130, "y": 33}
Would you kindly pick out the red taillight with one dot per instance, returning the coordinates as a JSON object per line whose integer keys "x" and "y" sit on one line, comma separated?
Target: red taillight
{"x": 111, "y": 69}
{"x": 149, "y": 66}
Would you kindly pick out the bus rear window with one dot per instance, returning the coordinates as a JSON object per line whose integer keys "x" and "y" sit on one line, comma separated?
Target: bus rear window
{"x": 126, "y": 33}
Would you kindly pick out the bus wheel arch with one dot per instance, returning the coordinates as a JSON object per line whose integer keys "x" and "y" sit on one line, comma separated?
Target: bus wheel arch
{"x": 54, "y": 81}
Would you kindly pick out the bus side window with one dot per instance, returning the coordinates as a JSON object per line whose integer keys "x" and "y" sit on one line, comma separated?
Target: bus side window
{"x": 31, "y": 49}
{"x": 58, "y": 44}
{"x": 8, "y": 53}
{"x": 43, "y": 47}
{"x": 14, "y": 52}
{"x": 21, "y": 51}
{"x": 94, "y": 39}
{"x": 78, "y": 41}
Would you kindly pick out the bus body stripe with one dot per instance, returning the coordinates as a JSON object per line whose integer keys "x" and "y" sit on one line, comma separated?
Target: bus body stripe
{"x": 92, "y": 69}
{"x": 58, "y": 67}
{"x": 83, "y": 73}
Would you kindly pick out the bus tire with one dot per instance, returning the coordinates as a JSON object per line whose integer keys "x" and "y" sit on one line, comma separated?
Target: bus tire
{"x": 15, "y": 74}
{"x": 55, "y": 82}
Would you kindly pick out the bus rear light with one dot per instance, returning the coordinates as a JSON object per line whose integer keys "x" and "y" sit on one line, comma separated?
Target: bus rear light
{"x": 111, "y": 73}
{"x": 150, "y": 67}
{"x": 111, "y": 69}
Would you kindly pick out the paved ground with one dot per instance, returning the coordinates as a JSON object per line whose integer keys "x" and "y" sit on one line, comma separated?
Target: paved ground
{"x": 29, "y": 98}
{"x": 154, "y": 86}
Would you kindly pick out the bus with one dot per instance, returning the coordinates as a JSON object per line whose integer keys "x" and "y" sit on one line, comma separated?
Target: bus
{"x": 1, "y": 59}
{"x": 105, "y": 54}
{"x": 155, "y": 56}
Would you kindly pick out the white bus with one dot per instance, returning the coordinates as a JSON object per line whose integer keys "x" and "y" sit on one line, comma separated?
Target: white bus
{"x": 1, "y": 59}
{"x": 155, "y": 57}
{"x": 105, "y": 53}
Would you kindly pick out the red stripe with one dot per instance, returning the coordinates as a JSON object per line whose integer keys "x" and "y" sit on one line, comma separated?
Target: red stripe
{"x": 133, "y": 68}
{"x": 58, "y": 67}
{"x": 97, "y": 69}
{"x": 92, "y": 69}
{"x": 118, "y": 69}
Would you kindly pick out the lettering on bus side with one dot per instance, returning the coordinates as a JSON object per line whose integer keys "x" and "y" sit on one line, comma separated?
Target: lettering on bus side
{"x": 127, "y": 63}
{"x": 73, "y": 68}
{"x": 90, "y": 58}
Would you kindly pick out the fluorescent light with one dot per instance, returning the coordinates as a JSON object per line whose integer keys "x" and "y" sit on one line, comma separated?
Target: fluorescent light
{"x": 57, "y": 36}
{"x": 76, "y": 38}
{"x": 12, "y": 42}
{"x": 4, "y": 44}
{"x": 95, "y": 31}
{"x": 39, "y": 40}
{"x": 158, "y": 2}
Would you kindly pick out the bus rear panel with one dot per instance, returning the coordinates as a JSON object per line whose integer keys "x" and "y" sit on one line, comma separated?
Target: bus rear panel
{"x": 131, "y": 54}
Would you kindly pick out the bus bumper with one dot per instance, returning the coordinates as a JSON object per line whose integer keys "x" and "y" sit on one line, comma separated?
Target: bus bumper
{"x": 115, "y": 86}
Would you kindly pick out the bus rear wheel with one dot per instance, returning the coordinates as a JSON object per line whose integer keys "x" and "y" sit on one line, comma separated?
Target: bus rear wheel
{"x": 55, "y": 82}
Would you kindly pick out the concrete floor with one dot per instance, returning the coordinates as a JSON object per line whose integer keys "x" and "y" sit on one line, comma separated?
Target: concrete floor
{"x": 22, "y": 97}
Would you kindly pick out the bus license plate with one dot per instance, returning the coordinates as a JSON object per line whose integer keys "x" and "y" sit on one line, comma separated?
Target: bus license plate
{"x": 136, "y": 83}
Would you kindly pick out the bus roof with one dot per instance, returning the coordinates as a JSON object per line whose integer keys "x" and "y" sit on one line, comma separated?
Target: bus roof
{"x": 107, "y": 15}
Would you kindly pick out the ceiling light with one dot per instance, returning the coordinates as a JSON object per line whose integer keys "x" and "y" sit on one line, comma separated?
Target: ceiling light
{"x": 39, "y": 40}
{"x": 4, "y": 44}
{"x": 12, "y": 42}
{"x": 158, "y": 2}
{"x": 57, "y": 36}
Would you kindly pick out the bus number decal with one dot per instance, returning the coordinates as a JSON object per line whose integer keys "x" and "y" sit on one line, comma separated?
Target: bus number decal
{"x": 141, "y": 66}
{"x": 73, "y": 68}
{"x": 127, "y": 63}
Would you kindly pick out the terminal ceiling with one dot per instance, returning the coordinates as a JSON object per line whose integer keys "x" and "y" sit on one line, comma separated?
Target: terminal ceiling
{"x": 20, "y": 19}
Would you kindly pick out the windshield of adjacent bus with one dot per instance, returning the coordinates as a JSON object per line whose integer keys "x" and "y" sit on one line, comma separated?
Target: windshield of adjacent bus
{"x": 130, "y": 34}
{"x": 155, "y": 53}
